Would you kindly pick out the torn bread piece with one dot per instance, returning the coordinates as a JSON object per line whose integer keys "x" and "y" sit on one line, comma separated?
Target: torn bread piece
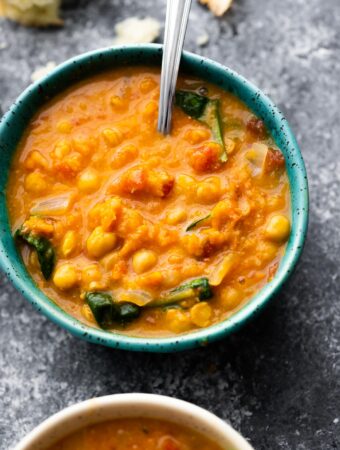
{"x": 137, "y": 31}
{"x": 217, "y": 7}
{"x": 42, "y": 71}
{"x": 32, "y": 12}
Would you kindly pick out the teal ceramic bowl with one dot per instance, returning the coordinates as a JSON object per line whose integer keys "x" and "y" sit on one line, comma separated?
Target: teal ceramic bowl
{"x": 15, "y": 121}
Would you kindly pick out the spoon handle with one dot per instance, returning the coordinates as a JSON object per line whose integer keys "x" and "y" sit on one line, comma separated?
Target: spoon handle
{"x": 177, "y": 14}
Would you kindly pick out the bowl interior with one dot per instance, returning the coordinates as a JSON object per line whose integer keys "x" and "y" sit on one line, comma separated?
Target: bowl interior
{"x": 15, "y": 121}
{"x": 121, "y": 406}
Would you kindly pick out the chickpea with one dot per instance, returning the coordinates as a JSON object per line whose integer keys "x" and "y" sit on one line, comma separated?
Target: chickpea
{"x": 186, "y": 184}
{"x": 66, "y": 277}
{"x": 88, "y": 181}
{"x": 196, "y": 136}
{"x": 64, "y": 126}
{"x": 178, "y": 321}
{"x": 176, "y": 215}
{"x": 231, "y": 297}
{"x": 266, "y": 251}
{"x": 69, "y": 243}
{"x": 143, "y": 260}
{"x": 278, "y": 228}
{"x": 85, "y": 145}
{"x": 112, "y": 136}
{"x": 208, "y": 192}
{"x": 151, "y": 280}
{"x": 36, "y": 160}
{"x": 151, "y": 109}
{"x": 100, "y": 242}
{"x": 61, "y": 149}
{"x": 124, "y": 155}
{"x": 172, "y": 278}
{"x": 201, "y": 314}
{"x": 36, "y": 183}
{"x": 89, "y": 274}
{"x": 117, "y": 102}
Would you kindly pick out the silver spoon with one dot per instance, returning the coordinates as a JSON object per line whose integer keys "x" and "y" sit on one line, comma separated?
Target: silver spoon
{"x": 177, "y": 14}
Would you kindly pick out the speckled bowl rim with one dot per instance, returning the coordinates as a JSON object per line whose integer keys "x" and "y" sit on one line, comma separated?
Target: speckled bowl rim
{"x": 223, "y": 77}
{"x": 155, "y": 406}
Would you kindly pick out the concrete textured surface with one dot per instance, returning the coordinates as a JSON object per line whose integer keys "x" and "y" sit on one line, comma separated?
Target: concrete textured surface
{"x": 278, "y": 379}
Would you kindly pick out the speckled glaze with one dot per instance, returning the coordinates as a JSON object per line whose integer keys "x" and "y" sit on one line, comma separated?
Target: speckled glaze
{"x": 13, "y": 125}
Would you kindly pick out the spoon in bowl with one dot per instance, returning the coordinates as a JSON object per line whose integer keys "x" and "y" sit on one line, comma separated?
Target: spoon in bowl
{"x": 177, "y": 15}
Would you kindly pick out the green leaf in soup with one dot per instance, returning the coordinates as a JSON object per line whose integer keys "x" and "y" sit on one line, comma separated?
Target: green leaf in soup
{"x": 127, "y": 311}
{"x": 199, "y": 288}
{"x": 43, "y": 247}
{"x": 107, "y": 312}
{"x": 102, "y": 307}
{"x": 212, "y": 118}
{"x": 191, "y": 103}
{"x": 197, "y": 222}
{"x": 205, "y": 110}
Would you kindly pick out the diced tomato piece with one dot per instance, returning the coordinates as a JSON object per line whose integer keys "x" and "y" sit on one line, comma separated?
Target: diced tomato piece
{"x": 206, "y": 158}
{"x": 119, "y": 270}
{"x": 143, "y": 179}
{"x": 167, "y": 187}
{"x": 274, "y": 161}
{"x": 169, "y": 444}
{"x": 134, "y": 180}
{"x": 257, "y": 127}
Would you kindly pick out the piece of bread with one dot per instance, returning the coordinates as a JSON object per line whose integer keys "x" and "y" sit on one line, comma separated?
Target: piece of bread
{"x": 217, "y": 7}
{"x": 32, "y": 12}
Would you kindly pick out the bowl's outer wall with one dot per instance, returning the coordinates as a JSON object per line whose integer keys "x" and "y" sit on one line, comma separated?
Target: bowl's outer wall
{"x": 12, "y": 127}
{"x": 117, "y": 406}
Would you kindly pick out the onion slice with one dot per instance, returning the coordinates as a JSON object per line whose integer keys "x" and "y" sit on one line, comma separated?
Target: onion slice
{"x": 257, "y": 155}
{"x": 52, "y": 206}
{"x": 139, "y": 298}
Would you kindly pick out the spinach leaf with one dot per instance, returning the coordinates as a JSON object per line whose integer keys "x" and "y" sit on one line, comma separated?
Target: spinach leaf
{"x": 191, "y": 103}
{"x": 197, "y": 222}
{"x": 107, "y": 312}
{"x": 205, "y": 110}
{"x": 199, "y": 287}
{"x": 43, "y": 247}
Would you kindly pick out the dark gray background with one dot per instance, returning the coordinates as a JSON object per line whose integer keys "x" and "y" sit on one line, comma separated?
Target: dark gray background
{"x": 277, "y": 380}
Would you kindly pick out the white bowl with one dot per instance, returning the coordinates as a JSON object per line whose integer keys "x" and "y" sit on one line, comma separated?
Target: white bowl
{"x": 117, "y": 406}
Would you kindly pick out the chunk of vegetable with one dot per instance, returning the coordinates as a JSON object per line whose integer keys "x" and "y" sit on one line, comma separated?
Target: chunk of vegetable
{"x": 127, "y": 311}
{"x": 205, "y": 110}
{"x": 102, "y": 308}
{"x": 108, "y": 312}
{"x": 197, "y": 222}
{"x": 43, "y": 247}
{"x": 222, "y": 270}
{"x": 139, "y": 298}
{"x": 278, "y": 228}
{"x": 199, "y": 288}
{"x": 52, "y": 206}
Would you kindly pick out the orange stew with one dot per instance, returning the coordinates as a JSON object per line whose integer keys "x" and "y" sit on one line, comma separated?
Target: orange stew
{"x": 127, "y": 229}
{"x": 135, "y": 434}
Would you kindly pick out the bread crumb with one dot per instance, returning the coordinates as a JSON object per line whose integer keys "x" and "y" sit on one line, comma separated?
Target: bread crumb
{"x": 32, "y": 12}
{"x": 137, "y": 31}
{"x": 217, "y": 7}
{"x": 42, "y": 71}
{"x": 202, "y": 39}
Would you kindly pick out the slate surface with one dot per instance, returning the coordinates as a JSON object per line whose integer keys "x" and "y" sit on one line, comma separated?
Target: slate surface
{"x": 278, "y": 379}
